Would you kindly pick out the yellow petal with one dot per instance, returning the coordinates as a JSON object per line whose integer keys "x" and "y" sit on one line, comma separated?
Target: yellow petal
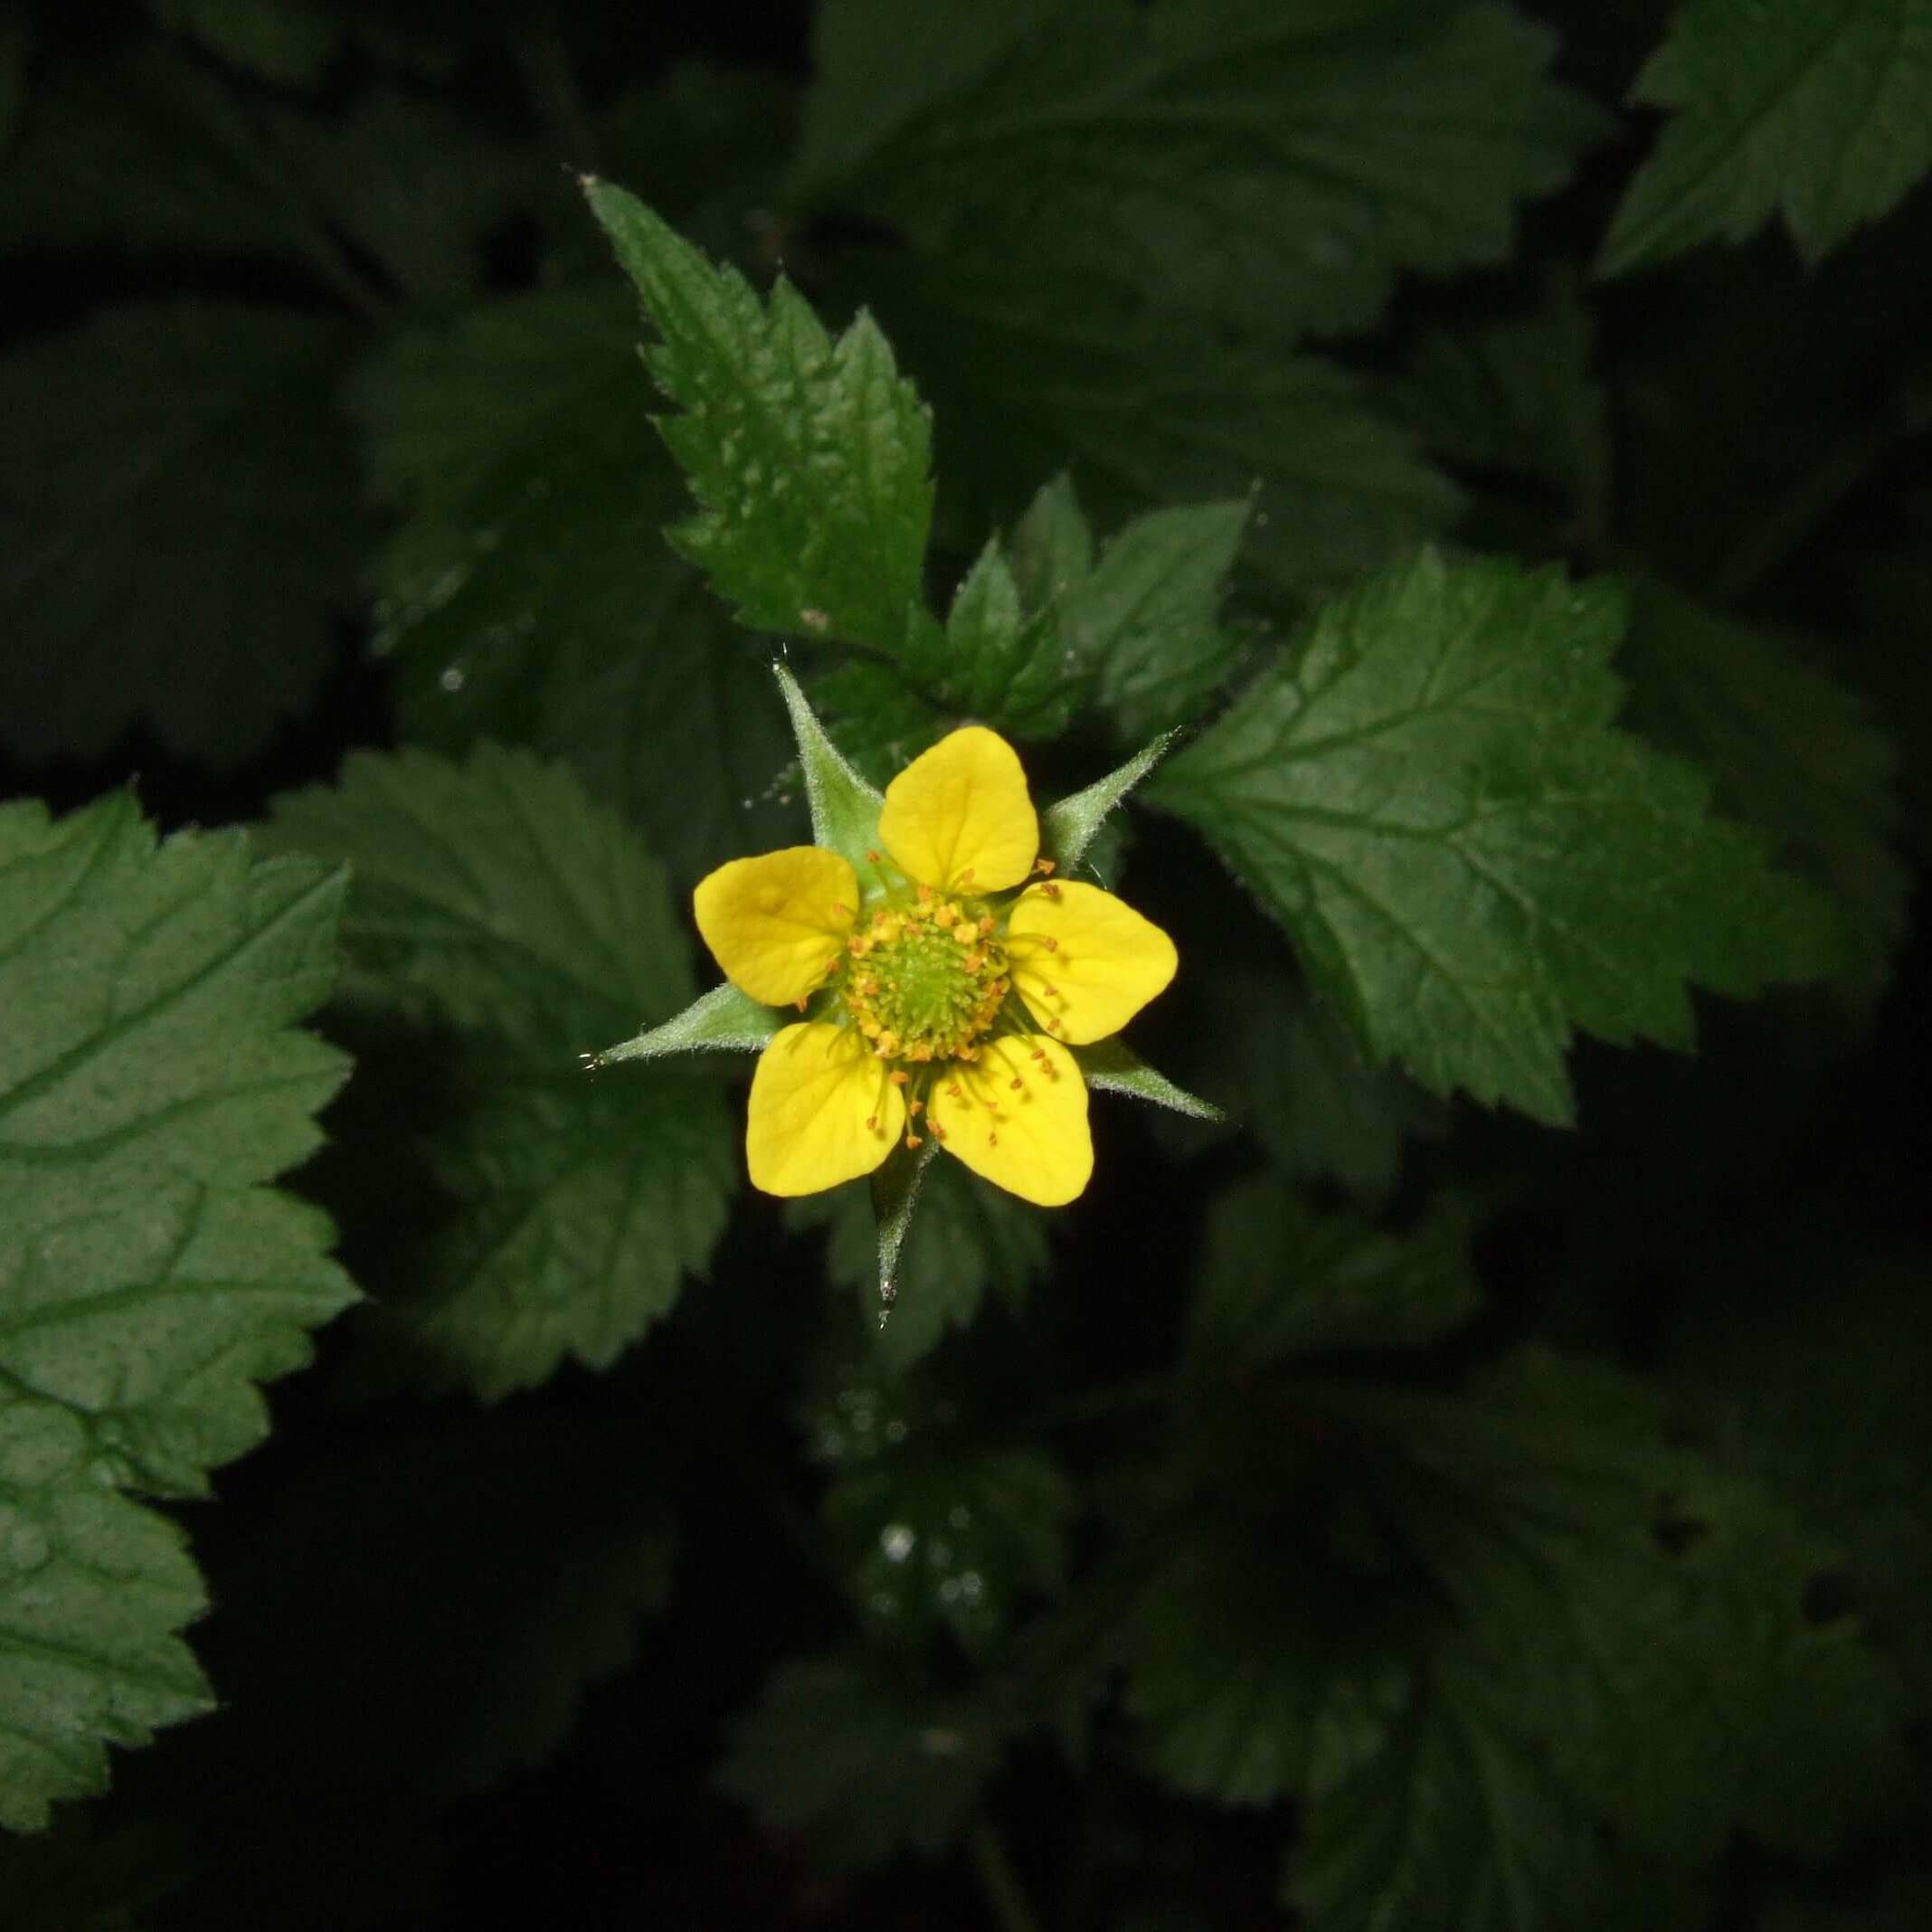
{"x": 959, "y": 814}
{"x": 776, "y": 922}
{"x": 822, "y": 1110}
{"x": 1018, "y": 1117}
{"x": 1085, "y": 961}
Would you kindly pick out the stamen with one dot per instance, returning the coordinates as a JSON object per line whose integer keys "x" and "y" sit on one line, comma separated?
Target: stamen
{"x": 1050, "y": 943}
{"x": 1016, "y": 1082}
{"x": 914, "y": 1106}
{"x": 1052, "y": 891}
{"x": 966, "y": 876}
{"x": 898, "y": 1077}
{"x": 992, "y": 1140}
{"x": 1043, "y": 864}
{"x": 872, "y": 1123}
{"x": 913, "y": 1140}
{"x": 799, "y": 1004}
{"x": 874, "y": 858}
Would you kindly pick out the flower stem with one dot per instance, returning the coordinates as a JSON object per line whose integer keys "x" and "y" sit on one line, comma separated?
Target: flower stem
{"x": 1011, "y": 1908}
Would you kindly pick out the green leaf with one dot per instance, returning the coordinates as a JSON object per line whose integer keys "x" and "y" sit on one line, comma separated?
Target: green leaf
{"x": 506, "y": 922}
{"x": 1600, "y": 1578}
{"x": 1822, "y": 114}
{"x": 1143, "y": 414}
{"x": 1288, "y": 1071}
{"x": 809, "y": 459}
{"x": 895, "y": 1187}
{"x": 1821, "y": 1398}
{"x": 1792, "y": 752}
{"x": 1519, "y": 398}
{"x": 863, "y": 1764}
{"x": 145, "y": 149}
{"x": 943, "y": 1535}
{"x": 957, "y": 1238}
{"x": 1147, "y": 617}
{"x": 1247, "y": 1680}
{"x": 529, "y": 595}
{"x": 419, "y": 189}
{"x": 289, "y": 42}
{"x": 151, "y": 1080}
{"x": 1110, "y": 1067}
{"x": 151, "y": 151}
{"x": 207, "y": 614}
{"x": 1454, "y": 1826}
{"x": 845, "y": 810}
{"x": 723, "y": 1021}
{"x": 1278, "y": 1279}
{"x": 998, "y": 662}
{"x": 1069, "y": 826}
{"x": 1428, "y": 794}
{"x": 1226, "y": 160}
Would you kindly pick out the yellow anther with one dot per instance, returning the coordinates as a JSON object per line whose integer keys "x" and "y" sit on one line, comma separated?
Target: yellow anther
{"x": 986, "y": 921}
{"x": 914, "y": 1106}
{"x": 898, "y": 1077}
{"x": 1016, "y": 1082}
{"x": 1043, "y": 864}
{"x": 913, "y": 1140}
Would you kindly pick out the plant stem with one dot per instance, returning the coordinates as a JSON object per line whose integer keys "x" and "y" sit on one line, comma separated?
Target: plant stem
{"x": 1011, "y": 1908}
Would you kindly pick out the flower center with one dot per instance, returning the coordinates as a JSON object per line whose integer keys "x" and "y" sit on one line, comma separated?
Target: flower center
{"x": 923, "y": 981}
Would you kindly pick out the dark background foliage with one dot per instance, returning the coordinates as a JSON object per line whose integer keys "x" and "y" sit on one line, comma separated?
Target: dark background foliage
{"x": 320, "y": 431}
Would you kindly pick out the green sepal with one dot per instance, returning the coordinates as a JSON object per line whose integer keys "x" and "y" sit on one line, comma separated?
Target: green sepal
{"x": 723, "y": 1021}
{"x": 895, "y": 1185}
{"x": 1068, "y": 829}
{"x": 1109, "y": 1067}
{"x": 845, "y": 810}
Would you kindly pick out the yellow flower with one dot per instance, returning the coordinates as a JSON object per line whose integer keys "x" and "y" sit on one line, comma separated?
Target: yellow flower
{"x": 942, "y": 991}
